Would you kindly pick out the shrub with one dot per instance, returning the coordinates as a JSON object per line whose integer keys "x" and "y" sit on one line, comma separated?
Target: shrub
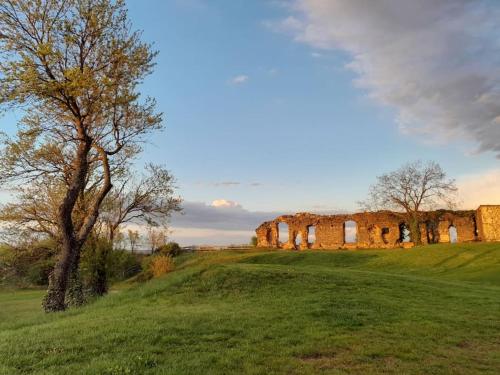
{"x": 94, "y": 265}
{"x": 172, "y": 248}
{"x": 101, "y": 264}
{"x": 28, "y": 265}
{"x": 253, "y": 241}
{"x": 122, "y": 265}
{"x": 38, "y": 273}
{"x": 160, "y": 265}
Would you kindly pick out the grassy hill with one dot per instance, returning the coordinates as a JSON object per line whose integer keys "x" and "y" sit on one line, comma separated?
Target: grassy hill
{"x": 433, "y": 310}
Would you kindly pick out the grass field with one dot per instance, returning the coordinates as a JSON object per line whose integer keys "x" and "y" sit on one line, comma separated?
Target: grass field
{"x": 430, "y": 310}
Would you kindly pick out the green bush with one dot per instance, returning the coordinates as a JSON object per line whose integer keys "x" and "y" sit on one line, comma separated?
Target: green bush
{"x": 38, "y": 273}
{"x": 94, "y": 265}
{"x": 102, "y": 264}
{"x": 122, "y": 265}
{"x": 253, "y": 241}
{"x": 28, "y": 266}
{"x": 146, "y": 273}
{"x": 170, "y": 249}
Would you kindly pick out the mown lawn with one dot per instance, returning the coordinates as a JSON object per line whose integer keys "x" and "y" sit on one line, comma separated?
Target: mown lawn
{"x": 432, "y": 310}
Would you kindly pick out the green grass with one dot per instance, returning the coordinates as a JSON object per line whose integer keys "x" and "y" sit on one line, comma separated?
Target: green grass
{"x": 432, "y": 310}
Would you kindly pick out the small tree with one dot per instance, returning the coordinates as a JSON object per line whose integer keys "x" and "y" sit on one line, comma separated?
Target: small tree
{"x": 149, "y": 200}
{"x": 412, "y": 188}
{"x": 119, "y": 242}
{"x": 133, "y": 239}
{"x": 253, "y": 241}
{"x": 156, "y": 237}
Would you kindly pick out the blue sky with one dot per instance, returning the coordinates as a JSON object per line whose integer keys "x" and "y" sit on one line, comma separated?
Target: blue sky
{"x": 295, "y": 133}
{"x": 298, "y": 126}
{"x": 287, "y": 106}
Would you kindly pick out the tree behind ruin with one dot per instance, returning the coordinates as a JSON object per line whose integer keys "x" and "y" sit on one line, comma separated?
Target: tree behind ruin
{"x": 74, "y": 67}
{"x": 412, "y": 188}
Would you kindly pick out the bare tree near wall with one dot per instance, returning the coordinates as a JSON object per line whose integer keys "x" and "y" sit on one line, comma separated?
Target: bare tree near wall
{"x": 414, "y": 187}
{"x": 74, "y": 66}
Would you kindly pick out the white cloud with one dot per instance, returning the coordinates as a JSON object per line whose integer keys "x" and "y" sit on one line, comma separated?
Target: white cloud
{"x": 480, "y": 188}
{"x": 436, "y": 62}
{"x": 224, "y": 203}
{"x": 239, "y": 80}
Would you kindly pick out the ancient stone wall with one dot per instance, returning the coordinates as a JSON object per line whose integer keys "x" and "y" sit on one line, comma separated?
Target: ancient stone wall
{"x": 488, "y": 219}
{"x": 382, "y": 229}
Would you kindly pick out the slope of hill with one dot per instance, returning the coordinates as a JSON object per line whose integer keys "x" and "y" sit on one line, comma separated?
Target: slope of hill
{"x": 432, "y": 310}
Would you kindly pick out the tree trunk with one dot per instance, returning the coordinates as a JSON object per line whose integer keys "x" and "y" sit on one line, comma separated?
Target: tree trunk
{"x": 111, "y": 233}
{"x": 414, "y": 224}
{"x": 55, "y": 298}
{"x": 70, "y": 249}
{"x": 74, "y": 295}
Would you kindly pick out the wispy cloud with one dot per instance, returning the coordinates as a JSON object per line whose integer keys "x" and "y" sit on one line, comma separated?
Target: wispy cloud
{"x": 239, "y": 79}
{"x": 436, "y": 62}
{"x": 273, "y": 71}
{"x": 227, "y": 183}
{"x": 193, "y": 5}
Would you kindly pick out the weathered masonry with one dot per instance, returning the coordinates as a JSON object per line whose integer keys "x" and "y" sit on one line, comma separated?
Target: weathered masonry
{"x": 382, "y": 229}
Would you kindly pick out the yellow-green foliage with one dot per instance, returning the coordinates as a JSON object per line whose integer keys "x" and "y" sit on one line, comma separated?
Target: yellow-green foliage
{"x": 161, "y": 264}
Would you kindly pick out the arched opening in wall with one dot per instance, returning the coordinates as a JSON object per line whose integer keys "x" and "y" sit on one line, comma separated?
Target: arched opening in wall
{"x": 311, "y": 235}
{"x": 385, "y": 235}
{"x": 452, "y": 231}
{"x": 350, "y": 232}
{"x": 298, "y": 239}
{"x": 404, "y": 233}
{"x": 476, "y": 232}
{"x": 431, "y": 229}
{"x": 283, "y": 233}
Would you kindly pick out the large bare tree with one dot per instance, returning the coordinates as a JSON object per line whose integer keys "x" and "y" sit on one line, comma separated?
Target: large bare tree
{"x": 74, "y": 66}
{"x": 414, "y": 187}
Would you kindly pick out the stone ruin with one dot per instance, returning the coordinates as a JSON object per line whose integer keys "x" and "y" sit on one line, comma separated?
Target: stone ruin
{"x": 382, "y": 229}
